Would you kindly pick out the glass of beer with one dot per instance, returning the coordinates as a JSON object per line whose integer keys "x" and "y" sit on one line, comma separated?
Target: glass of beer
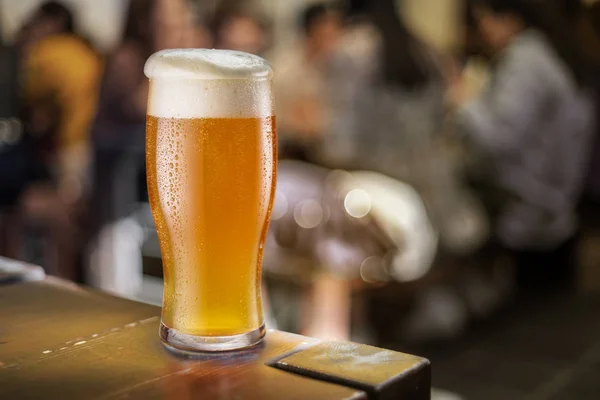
{"x": 211, "y": 164}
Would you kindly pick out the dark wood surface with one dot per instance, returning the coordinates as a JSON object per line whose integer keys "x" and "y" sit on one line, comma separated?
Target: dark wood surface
{"x": 61, "y": 341}
{"x": 381, "y": 373}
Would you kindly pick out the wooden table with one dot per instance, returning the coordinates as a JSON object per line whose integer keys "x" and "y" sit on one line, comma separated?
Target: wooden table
{"x": 61, "y": 341}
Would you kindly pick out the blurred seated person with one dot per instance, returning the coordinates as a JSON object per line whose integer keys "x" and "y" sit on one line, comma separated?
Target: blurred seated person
{"x": 60, "y": 76}
{"x": 234, "y": 28}
{"x": 119, "y": 139}
{"x": 532, "y": 128}
{"x": 301, "y": 84}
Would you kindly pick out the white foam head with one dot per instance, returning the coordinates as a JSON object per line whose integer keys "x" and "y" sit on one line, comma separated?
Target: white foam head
{"x": 203, "y": 83}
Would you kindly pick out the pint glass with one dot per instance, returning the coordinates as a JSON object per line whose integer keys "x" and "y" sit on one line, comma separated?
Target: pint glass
{"x": 211, "y": 166}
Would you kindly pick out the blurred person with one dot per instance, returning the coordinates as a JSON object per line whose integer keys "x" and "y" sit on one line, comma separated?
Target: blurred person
{"x": 301, "y": 82}
{"x": 151, "y": 26}
{"x": 60, "y": 75}
{"x": 386, "y": 96}
{"x": 119, "y": 141}
{"x": 532, "y": 128}
{"x": 234, "y": 28}
{"x": 300, "y": 90}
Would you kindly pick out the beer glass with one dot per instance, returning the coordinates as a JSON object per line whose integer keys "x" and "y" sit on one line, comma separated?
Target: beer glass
{"x": 211, "y": 166}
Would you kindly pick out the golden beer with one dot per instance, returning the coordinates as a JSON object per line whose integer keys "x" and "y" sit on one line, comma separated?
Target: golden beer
{"x": 211, "y": 162}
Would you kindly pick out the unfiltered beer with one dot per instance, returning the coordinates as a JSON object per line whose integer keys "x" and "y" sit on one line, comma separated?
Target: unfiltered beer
{"x": 211, "y": 162}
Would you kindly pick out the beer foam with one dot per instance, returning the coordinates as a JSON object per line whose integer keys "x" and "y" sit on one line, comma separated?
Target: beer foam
{"x": 202, "y": 83}
{"x": 206, "y": 64}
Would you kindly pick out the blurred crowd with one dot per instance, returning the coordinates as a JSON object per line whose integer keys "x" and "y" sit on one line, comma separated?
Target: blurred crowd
{"x": 450, "y": 177}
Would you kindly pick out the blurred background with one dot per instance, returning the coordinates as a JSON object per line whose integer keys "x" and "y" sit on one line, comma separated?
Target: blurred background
{"x": 439, "y": 175}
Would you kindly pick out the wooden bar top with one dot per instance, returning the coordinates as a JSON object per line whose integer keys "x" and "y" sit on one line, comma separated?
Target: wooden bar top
{"x": 62, "y": 341}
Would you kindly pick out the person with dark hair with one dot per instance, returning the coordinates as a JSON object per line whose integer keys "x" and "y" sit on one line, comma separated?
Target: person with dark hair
{"x": 52, "y": 17}
{"x": 533, "y": 127}
{"x": 118, "y": 175}
{"x": 59, "y": 75}
{"x": 388, "y": 105}
{"x": 386, "y": 115}
{"x": 311, "y": 15}
{"x": 151, "y": 25}
{"x": 59, "y": 14}
{"x": 301, "y": 82}
{"x": 381, "y": 61}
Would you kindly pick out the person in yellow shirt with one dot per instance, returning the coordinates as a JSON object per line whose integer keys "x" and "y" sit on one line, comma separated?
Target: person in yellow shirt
{"x": 60, "y": 75}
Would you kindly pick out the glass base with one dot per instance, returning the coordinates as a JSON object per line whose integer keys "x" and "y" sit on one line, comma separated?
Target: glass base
{"x": 184, "y": 343}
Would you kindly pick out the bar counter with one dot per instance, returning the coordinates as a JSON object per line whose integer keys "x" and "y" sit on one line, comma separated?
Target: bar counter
{"x": 62, "y": 341}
